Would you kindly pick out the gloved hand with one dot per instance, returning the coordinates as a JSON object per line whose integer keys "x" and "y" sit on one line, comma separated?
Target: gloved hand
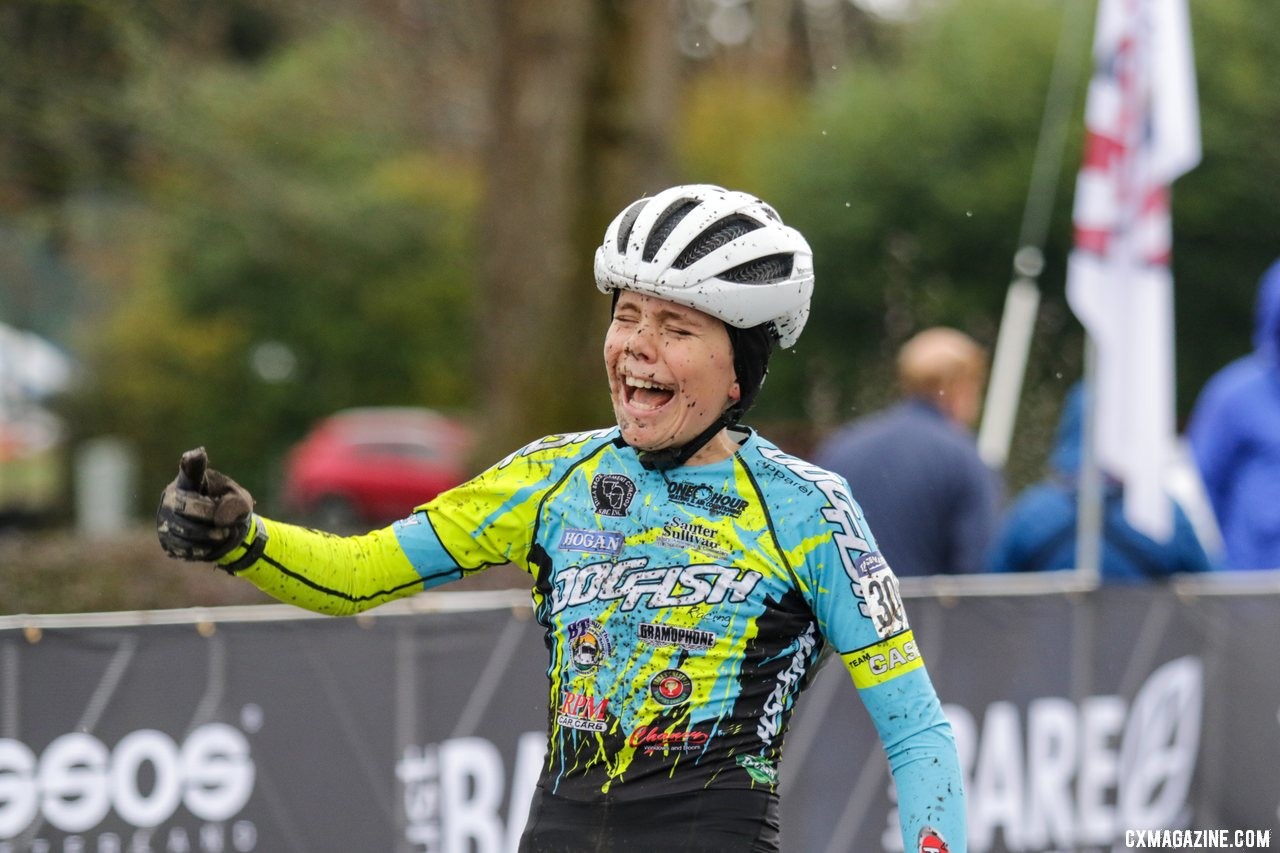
{"x": 203, "y": 514}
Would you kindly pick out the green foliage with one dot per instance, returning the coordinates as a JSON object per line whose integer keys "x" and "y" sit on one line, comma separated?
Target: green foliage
{"x": 909, "y": 175}
{"x": 292, "y": 207}
{"x": 909, "y": 179}
{"x": 288, "y": 196}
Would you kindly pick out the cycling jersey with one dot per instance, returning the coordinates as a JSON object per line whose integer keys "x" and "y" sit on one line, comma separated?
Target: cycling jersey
{"x": 684, "y": 610}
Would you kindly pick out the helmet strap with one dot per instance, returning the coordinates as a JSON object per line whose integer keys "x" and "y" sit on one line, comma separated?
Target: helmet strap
{"x": 666, "y": 458}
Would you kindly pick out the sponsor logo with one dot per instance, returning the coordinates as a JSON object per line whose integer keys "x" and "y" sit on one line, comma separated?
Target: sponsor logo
{"x": 931, "y": 841}
{"x": 1101, "y": 763}
{"x": 653, "y": 739}
{"x": 678, "y": 533}
{"x": 592, "y": 541}
{"x": 611, "y": 494}
{"x": 773, "y": 471}
{"x": 884, "y": 661}
{"x": 670, "y": 687}
{"x": 76, "y": 782}
{"x": 869, "y": 564}
{"x": 451, "y": 794}
{"x": 670, "y": 635}
{"x": 761, "y": 770}
{"x": 705, "y": 498}
{"x": 582, "y": 712}
{"x": 630, "y": 582}
{"x": 589, "y": 644}
{"x": 842, "y": 515}
{"x": 784, "y": 690}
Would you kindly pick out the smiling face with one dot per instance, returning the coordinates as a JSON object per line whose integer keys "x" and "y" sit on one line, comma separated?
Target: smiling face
{"x": 670, "y": 374}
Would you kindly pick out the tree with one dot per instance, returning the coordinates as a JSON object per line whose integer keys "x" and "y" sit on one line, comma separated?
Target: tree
{"x": 582, "y": 117}
{"x": 304, "y": 253}
{"x": 908, "y": 170}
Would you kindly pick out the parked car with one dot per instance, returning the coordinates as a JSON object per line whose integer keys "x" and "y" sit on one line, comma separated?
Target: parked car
{"x": 361, "y": 468}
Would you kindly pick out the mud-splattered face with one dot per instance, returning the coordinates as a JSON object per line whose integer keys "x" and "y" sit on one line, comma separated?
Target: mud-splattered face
{"x": 670, "y": 371}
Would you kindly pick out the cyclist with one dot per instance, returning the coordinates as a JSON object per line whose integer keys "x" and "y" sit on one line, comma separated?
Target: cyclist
{"x": 687, "y": 571}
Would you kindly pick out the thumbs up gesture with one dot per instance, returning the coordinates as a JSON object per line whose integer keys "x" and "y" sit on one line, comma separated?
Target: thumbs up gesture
{"x": 203, "y": 513}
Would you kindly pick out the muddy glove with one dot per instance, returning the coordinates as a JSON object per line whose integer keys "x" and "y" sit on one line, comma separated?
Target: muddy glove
{"x": 203, "y": 514}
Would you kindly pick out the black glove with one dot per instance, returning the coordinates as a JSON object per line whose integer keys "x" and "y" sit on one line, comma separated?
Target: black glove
{"x": 203, "y": 514}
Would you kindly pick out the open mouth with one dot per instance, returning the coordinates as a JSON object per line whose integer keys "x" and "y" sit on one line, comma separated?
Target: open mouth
{"x": 646, "y": 394}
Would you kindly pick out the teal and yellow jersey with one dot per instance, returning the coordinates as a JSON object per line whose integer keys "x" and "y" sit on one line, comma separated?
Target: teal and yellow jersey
{"x": 685, "y": 612}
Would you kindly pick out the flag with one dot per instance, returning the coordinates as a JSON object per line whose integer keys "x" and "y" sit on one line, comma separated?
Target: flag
{"x": 1142, "y": 130}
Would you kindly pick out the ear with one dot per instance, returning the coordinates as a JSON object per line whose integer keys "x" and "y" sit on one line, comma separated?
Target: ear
{"x": 735, "y": 392}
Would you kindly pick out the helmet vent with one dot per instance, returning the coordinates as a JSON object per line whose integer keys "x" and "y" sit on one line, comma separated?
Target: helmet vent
{"x": 764, "y": 270}
{"x": 666, "y": 223}
{"x": 720, "y": 232}
{"x": 628, "y": 222}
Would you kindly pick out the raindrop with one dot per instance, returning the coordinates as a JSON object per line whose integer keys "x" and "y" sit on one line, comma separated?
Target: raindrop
{"x": 969, "y": 213}
{"x": 251, "y": 718}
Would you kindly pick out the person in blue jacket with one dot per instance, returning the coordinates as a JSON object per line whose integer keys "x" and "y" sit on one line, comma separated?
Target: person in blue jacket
{"x": 919, "y": 479}
{"x": 1235, "y": 438}
{"x": 1038, "y": 532}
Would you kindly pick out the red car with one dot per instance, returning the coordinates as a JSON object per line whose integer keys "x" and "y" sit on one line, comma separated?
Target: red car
{"x": 362, "y": 468}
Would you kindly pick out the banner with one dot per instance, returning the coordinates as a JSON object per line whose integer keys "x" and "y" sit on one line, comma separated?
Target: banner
{"x": 1142, "y": 132}
{"x": 1080, "y": 719}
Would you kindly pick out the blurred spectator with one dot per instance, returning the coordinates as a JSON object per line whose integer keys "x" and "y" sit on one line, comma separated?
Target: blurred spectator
{"x": 1038, "y": 532}
{"x": 914, "y": 468}
{"x": 1235, "y": 437}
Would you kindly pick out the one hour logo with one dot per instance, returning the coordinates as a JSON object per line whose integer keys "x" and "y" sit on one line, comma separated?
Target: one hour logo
{"x": 705, "y": 498}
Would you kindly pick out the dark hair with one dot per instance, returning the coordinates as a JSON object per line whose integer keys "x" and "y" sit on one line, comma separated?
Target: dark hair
{"x": 751, "y": 351}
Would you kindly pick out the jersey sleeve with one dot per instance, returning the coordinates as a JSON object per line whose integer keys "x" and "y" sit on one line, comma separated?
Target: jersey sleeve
{"x": 335, "y": 575}
{"x": 486, "y": 521}
{"x": 854, "y": 594}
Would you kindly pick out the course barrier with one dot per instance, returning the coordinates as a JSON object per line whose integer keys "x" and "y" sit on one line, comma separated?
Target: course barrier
{"x": 1085, "y": 718}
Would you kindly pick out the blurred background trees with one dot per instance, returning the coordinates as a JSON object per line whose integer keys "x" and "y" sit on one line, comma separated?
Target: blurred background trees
{"x": 238, "y": 216}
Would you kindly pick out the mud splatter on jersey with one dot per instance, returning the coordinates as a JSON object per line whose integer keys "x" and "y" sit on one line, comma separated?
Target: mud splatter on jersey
{"x": 684, "y": 611}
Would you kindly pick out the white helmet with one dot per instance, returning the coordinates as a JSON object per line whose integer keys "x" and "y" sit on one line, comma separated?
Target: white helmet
{"x": 724, "y": 253}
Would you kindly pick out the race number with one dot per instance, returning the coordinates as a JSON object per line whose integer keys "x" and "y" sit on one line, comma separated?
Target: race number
{"x": 884, "y": 602}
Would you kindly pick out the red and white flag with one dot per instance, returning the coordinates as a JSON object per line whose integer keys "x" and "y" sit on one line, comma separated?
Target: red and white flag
{"x": 1142, "y": 131}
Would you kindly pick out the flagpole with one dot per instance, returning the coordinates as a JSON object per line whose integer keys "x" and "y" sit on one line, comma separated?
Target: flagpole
{"x": 1022, "y": 300}
{"x": 1089, "y": 497}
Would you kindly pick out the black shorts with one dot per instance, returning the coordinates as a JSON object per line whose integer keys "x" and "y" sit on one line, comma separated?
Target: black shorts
{"x": 702, "y": 822}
